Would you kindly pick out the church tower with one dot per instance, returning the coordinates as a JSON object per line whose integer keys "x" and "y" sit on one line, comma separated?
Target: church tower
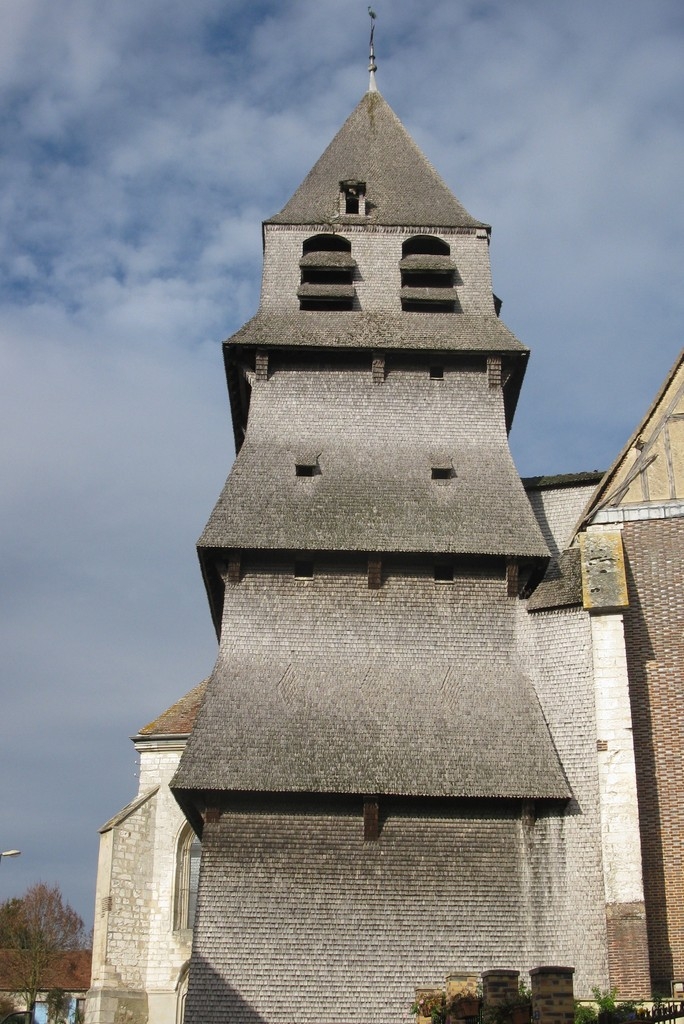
{"x": 375, "y": 772}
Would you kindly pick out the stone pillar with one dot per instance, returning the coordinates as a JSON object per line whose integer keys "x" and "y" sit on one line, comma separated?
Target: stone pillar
{"x": 553, "y": 997}
{"x": 462, "y": 1000}
{"x": 461, "y": 985}
{"x": 499, "y": 986}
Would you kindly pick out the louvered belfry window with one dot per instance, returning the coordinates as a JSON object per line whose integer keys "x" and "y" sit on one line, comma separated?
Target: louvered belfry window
{"x": 327, "y": 273}
{"x": 427, "y": 276}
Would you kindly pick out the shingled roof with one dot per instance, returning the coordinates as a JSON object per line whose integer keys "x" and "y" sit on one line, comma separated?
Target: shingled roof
{"x": 437, "y": 332}
{"x": 375, "y": 448}
{"x": 179, "y": 719}
{"x": 402, "y": 187}
{"x": 349, "y": 690}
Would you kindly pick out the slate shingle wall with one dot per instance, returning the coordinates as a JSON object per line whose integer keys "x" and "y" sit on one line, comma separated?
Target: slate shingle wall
{"x": 557, "y": 511}
{"x": 556, "y": 646}
{"x": 376, "y": 445}
{"x": 301, "y": 920}
{"x": 377, "y": 278}
{"x": 342, "y": 688}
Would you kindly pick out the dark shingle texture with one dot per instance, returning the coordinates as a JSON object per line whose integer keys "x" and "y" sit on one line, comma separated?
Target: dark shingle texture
{"x": 324, "y": 685}
{"x": 402, "y": 187}
{"x": 376, "y": 445}
{"x": 354, "y": 329}
{"x": 562, "y": 584}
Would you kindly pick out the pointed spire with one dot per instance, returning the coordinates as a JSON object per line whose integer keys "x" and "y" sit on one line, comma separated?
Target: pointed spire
{"x": 372, "y": 66}
{"x": 402, "y": 187}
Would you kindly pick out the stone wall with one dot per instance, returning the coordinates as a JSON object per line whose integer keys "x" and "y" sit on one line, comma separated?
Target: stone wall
{"x": 138, "y": 955}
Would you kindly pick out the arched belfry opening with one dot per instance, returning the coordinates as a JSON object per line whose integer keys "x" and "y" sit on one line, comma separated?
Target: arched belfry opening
{"x": 327, "y": 273}
{"x": 427, "y": 275}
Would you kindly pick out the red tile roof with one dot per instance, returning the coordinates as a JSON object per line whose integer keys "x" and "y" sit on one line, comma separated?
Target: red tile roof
{"x": 179, "y": 719}
{"x": 70, "y": 971}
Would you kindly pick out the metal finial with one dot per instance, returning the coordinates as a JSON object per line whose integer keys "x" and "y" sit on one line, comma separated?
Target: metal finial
{"x": 372, "y": 66}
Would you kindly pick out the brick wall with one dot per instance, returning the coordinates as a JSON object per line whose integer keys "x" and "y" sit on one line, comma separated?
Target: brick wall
{"x": 654, "y": 632}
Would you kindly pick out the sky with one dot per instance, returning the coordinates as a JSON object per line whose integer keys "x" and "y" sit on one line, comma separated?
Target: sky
{"x": 142, "y": 143}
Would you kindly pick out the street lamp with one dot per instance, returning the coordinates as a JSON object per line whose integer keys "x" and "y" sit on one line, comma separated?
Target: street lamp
{"x": 9, "y": 853}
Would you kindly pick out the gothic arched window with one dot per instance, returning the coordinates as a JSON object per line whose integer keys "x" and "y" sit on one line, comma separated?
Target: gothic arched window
{"x": 188, "y": 853}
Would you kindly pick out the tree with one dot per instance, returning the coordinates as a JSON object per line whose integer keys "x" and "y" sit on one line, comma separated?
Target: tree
{"x": 39, "y": 927}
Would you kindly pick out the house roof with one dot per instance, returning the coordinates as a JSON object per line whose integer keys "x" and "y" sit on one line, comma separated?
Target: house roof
{"x": 562, "y": 583}
{"x": 69, "y": 971}
{"x": 402, "y": 187}
{"x": 563, "y": 480}
{"x": 179, "y": 719}
{"x": 129, "y": 809}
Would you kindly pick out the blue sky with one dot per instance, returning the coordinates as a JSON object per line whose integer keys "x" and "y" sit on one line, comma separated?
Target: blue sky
{"x": 143, "y": 142}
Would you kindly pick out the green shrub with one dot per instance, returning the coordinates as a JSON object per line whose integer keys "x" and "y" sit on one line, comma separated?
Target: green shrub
{"x": 585, "y": 1013}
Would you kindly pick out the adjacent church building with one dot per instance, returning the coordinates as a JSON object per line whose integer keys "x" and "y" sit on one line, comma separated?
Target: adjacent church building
{"x": 443, "y": 732}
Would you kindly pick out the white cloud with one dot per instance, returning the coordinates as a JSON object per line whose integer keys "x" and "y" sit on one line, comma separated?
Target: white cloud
{"x": 143, "y": 144}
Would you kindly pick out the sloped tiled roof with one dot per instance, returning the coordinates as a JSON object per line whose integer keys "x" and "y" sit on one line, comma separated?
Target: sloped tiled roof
{"x": 129, "y": 809}
{"x": 402, "y": 187}
{"x": 69, "y": 971}
{"x": 177, "y": 720}
{"x": 410, "y": 690}
{"x": 354, "y": 329}
{"x": 562, "y": 584}
{"x": 376, "y": 446}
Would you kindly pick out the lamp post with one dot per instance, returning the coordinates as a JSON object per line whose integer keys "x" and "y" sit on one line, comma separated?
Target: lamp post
{"x": 9, "y": 853}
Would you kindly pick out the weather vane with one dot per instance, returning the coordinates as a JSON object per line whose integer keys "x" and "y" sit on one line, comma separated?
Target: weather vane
{"x": 372, "y": 66}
